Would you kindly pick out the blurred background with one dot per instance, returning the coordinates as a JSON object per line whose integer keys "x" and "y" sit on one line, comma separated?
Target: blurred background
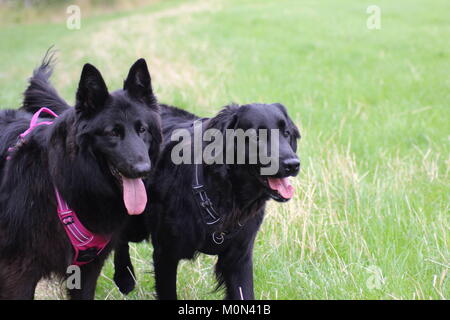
{"x": 367, "y": 83}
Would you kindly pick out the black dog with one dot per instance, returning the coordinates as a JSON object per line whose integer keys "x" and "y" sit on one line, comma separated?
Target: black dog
{"x": 95, "y": 154}
{"x": 215, "y": 209}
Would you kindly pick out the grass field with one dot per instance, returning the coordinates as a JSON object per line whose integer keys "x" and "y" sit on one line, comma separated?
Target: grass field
{"x": 370, "y": 219}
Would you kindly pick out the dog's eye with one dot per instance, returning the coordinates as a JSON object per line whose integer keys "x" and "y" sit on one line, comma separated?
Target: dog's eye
{"x": 113, "y": 133}
{"x": 286, "y": 133}
{"x": 141, "y": 129}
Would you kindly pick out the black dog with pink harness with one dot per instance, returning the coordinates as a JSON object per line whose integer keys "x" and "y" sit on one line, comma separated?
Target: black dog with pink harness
{"x": 86, "y": 166}
{"x": 86, "y": 245}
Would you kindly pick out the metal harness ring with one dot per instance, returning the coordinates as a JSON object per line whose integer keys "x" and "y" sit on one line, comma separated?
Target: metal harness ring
{"x": 218, "y": 239}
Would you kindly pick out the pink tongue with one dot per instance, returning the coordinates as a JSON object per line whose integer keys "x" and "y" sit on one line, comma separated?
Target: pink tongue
{"x": 134, "y": 195}
{"x": 283, "y": 186}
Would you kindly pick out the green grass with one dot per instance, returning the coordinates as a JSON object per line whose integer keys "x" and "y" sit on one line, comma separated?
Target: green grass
{"x": 373, "y": 108}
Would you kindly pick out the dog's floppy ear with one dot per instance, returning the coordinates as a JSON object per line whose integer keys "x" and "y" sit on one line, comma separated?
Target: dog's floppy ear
{"x": 138, "y": 83}
{"x": 295, "y": 133}
{"x": 227, "y": 118}
{"x": 92, "y": 91}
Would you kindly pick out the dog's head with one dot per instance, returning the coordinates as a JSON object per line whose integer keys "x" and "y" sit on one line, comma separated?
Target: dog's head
{"x": 270, "y": 130}
{"x": 122, "y": 128}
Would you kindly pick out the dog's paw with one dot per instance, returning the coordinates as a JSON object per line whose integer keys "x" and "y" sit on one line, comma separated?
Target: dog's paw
{"x": 124, "y": 281}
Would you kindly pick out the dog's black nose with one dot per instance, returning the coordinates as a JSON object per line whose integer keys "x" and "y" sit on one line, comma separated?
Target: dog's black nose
{"x": 142, "y": 169}
{"x": 291, "y": 166}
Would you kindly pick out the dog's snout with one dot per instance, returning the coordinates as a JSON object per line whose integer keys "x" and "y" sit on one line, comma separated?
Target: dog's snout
{"x": 291, "y": 166}
{"x": 142, "y": 169}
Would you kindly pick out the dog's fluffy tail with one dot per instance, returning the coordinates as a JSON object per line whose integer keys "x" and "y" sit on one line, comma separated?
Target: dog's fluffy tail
{"x": 40, "y": 92}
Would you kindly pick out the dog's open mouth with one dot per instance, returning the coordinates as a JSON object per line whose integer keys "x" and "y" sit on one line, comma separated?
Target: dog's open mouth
{"x": 134, "y": 193}
{"x": 279, "y": 189}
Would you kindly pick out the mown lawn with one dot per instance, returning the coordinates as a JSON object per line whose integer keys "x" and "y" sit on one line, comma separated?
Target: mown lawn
{"x": 370, "y": 219}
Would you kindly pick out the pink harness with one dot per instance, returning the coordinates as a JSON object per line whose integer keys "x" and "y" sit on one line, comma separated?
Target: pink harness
{"x": 87, "y": 245}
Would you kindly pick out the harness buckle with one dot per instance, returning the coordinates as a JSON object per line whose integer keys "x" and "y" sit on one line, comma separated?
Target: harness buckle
{"x": 197, "y": 188}
{"x": 206, "y": 203}
{"x": 67, "y": 220}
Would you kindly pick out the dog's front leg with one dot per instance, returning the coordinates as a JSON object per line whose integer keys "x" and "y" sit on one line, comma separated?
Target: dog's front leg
{"x": 165, "y": 275}
{"x": 235, "y": 269}
{"x": 123, "y": 268}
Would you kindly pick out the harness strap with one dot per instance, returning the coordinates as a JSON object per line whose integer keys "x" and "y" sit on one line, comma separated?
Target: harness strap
{"x": 208, "y": 213}
{"x": 34, "y": 121}
{"x": 210, "y": 216}
{"x": 87, "y": 245}
{"x": 33, "y": 124}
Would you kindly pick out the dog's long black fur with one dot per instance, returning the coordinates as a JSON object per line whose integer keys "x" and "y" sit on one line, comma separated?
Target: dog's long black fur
{"x": 238, "y": 192}
{"x": 81, "y": 154}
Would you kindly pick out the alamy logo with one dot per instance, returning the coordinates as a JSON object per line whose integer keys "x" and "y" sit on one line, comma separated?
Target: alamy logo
{"x": 73, "y": 277}
{"x": 236, "y": 147}
{"x": 74, "y": 19}
{"x": 374, "y": 20}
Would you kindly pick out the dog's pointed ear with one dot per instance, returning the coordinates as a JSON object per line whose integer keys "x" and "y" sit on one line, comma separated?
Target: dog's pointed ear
{"x": 138, "y": 83}
{"x": 92, "y": 91}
